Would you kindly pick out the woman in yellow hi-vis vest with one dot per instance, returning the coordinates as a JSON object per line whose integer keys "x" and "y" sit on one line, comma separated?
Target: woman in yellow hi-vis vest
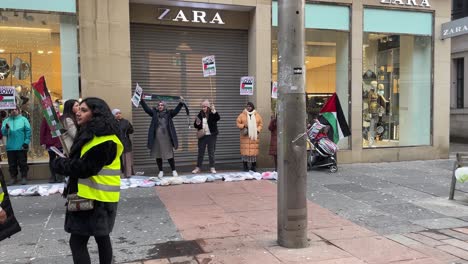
{"x": 94, "y": 170}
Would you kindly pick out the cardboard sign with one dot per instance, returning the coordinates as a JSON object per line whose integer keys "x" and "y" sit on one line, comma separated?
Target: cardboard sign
{"x": 209, "y": 66}
{"x": 42, "y": 93}
{"x": 7, "y": 97}
{"x": 274, "y": 90}
{"x": 247, "y": 85}
{"x": 136, "y": 98}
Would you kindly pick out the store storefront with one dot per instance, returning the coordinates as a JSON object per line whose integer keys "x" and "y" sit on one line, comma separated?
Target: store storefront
{"x": 384, "y": 59}
{"x": 38, "y": 39}
{"x": 387, "y": 67}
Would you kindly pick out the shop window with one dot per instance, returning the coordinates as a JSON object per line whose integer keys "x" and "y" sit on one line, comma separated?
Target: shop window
{"x": 460, "y": 81}
{"x": 396, "y": 90}
{"x": 396, "y": 80}
{"x": 326, "y": 58}
{"x": 34, "y": 44}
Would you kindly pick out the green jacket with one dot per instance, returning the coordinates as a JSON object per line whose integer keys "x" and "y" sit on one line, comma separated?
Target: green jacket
{"x": 18, "y": 134}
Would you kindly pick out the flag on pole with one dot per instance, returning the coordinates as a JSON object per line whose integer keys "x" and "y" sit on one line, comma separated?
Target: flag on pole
{"x": 48, "y": 110}
{"x": 333, "y": 114}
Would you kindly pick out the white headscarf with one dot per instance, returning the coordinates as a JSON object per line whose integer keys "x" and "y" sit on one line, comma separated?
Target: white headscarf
{"x": 115, "y": 111}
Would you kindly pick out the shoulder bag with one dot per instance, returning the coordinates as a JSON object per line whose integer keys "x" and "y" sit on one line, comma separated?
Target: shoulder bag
{"x": 76, "y": 203}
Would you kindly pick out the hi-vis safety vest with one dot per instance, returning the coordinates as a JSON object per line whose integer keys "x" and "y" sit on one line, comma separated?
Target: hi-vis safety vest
{"x": 1, "y": 193}
{"x": 105, "y": 186}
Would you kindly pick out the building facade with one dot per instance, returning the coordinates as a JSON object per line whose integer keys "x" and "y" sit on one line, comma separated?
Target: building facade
{"x": 459, "y": 69}
{"x": 384, "y": 59}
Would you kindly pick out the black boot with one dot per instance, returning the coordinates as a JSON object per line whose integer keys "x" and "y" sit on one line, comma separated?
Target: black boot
{"x": 246, "y": 167}
{"x": 253, "y": 168}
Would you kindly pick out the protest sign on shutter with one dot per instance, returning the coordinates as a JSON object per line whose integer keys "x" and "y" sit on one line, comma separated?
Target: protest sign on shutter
{"x": 209, "y": 66}
{"x": 274, "y": 90}
{"x": 137, "y": 95}
{"x": 247, "y": 85}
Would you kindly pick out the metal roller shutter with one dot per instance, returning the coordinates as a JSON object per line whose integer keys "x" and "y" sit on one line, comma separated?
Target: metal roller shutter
{"x": 167, "y": 60}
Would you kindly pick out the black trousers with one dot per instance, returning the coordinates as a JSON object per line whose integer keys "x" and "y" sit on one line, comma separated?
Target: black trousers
{"x": 79, "y": 249}
{"x": 18, "y": 158}
{"x": 203, "y": 142}
{"x": 171, "y": 163}
{"x": 52, "y": 157}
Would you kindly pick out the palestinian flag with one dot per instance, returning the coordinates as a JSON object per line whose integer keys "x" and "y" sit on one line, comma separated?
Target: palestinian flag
{"x": 247, "y": 86}
{"x": 332, "y": 114}
{"x": 208, "y": 66}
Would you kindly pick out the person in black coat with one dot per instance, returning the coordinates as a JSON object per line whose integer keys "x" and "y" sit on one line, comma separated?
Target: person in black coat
{"x": 126, "y": 129}
{"x": 206, "y": 123}
{"x": 162, "y": 136}
{"x": 8, "y": 223}
{"x": 94, "y": 119}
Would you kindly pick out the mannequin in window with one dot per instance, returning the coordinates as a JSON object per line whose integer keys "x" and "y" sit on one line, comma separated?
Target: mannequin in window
{"x": 376, "y": 106}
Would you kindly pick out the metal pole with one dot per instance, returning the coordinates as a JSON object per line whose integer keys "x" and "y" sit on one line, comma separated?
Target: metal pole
{"x": 292, "y": 166}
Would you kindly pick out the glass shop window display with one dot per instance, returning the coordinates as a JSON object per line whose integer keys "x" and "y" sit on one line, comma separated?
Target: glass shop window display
{"x": 32, "y": 44}
{"x": 396, "y": 90}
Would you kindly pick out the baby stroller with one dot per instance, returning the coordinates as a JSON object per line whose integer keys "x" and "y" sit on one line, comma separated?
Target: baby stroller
{"x": 321, "y": 151}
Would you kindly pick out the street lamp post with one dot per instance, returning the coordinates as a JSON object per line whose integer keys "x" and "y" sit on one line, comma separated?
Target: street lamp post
{"x": 292, "y": 166}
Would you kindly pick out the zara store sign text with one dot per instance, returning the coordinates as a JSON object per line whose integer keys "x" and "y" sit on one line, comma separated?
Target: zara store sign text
{"x": 421, "y": 3}
{"x": 194, "y": 16}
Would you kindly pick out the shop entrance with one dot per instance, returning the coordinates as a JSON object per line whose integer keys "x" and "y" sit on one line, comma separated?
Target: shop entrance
{"x": 168, "y": 61}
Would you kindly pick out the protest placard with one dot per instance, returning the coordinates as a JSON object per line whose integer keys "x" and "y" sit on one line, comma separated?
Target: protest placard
{"x": 274, "y": 90}
{"x": 209, "y": 66}
{"x": 247, "y": 85}
{"x": 7, "y": 97}
{"x": 137, "y": 95}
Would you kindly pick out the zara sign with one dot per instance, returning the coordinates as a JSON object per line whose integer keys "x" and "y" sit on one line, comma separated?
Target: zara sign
{"x": 195, "y": 16}
{"x": 421, "y": 3}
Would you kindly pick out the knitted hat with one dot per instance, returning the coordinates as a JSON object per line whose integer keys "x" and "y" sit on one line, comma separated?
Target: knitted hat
{"x": 115, "y": 111}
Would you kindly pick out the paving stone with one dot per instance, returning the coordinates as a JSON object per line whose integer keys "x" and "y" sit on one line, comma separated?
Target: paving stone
{"x": 434, "y": 234}
{"x": 377, "y": 249}
{"x": 457, "y": 243}
{"x": 347, "y": 187}
{"x": 157, "y": 261}
{"x": 463, "y": 254}
{"x": 443, "y": 206}
{"x": 183, "y": 260}
{"x": 316, "y": 251}
{"x": 402, "y": 239}
{"x": 406, "y": 194}
{"x": 343, "y": 232}
{"x": 425, "y": 240}
{"x": 440, "y": 223}
{"x": 396, "y": 229}
{"x": 375, "y": 198}
{"x": 462, "y": 230}
{"x": 454, "y": 234}
{"x": 409, "y": 211}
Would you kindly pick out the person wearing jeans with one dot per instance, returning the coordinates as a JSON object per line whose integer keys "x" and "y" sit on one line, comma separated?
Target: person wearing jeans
{"x": 207, "y": 121}
{"x": 18, "y": 132}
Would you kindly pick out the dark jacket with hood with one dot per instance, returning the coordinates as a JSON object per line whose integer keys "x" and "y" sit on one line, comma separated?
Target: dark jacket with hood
{"x": 10, "y": 226}
{"x": 126, "y": 129}
{"x": 100, "y": 220}
{"x": 153, "y": 112}
{"x": 212, "y": 121}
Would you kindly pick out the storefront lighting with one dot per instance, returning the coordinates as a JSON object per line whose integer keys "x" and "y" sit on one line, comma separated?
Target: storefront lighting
{"x": 25, "y": 29}
{"x": 2, "y": 50}
{"x": 50, "y": 52}
{"x": 40, "y": 52}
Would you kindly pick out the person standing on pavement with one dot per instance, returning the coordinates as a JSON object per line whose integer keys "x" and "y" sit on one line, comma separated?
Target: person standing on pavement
{"x": 162, "y": 135}
{"x": 126, "y": 129}
{"x": 94, "y": 170}
{"x": 47, "y": 141}
{"x": 8, "y": 223}
{"x": 68, "y": 118}
{"x": 207, "y": 122}
{"x": 18, "y": 132}
{"x": 273, "y": 144}
{"x": 250, "y": 124}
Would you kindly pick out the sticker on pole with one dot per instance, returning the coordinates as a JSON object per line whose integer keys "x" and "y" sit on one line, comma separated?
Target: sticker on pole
{"x": 209, "y": 66}
{"x": 137, "y": 95}
{"x": 247, "y": 85}
{"x": 274, "y": 90}
{"x": 7, "y": 97}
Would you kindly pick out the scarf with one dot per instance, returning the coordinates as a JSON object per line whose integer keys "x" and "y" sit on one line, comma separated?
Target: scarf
{"x": 252, "y": 124}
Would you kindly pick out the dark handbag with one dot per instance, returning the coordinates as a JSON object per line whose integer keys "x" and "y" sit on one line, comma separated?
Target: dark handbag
{"x": 76, "y": 203}
{"x": 200, "y": 133}
{"x": 245, "y": 131}
{"x": 11, "y": 225}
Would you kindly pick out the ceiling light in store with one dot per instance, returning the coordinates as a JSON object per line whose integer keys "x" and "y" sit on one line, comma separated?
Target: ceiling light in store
{"x": 307, "y": 61}
{"x": 2, "y": 50}
{"x": 25, "y": 29}
{"x": 273, "y": 60}
{"x": 40, "y": 52}
{"x": 50, "y": 52}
